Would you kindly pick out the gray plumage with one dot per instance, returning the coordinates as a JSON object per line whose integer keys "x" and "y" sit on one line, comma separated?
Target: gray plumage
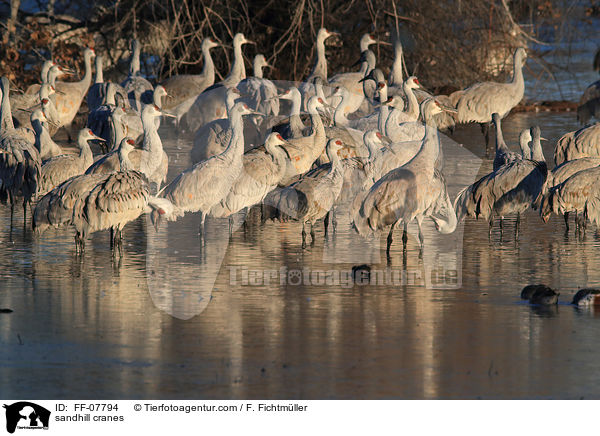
{"x": 412, "y": 192}
{"x": 584, "y": 142}
{"x": 60, "y": 168}
{"x": 511, "y": 188}
{"x": 20, "y": 161}
{"x": 135, "y": 85}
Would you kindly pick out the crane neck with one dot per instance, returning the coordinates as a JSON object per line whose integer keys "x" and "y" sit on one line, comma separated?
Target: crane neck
{"x": 334, "y": 158}
{"x": 87, "y": 77}
{"x": 45, "y": 69}
{"x": 43, "y": 142}
{"x": 384, "y": 110}
{"x": 134, "y": 66}
{"x": 235, "y": 148}
{"x": 537, "y": 154}
{"x": 339, "y": 116}
{"x": 396, "y": 71}
{"x": 429, "y": 153}
{"x": 412, "y": 105}
{"x": 124, "y": 161}
{"x": 258, "y": 68}
{"x": 524, "y": 139}
{"x": 111, "y": 93}
{"x": 317, "y": 127}
{"x": 208, "y": 70}
{"x": 118, "y": 133}
{"x": 52, "y": 75}
{"x": 238, "y": 69}
{"x": 151, "y": 142}
{"x": 99, "y": 72}
{"x": 500, "y": 144}
{"x": 6, "y": 121}
{"x": 320, "y": 68}
{"x": 85, "y": 152}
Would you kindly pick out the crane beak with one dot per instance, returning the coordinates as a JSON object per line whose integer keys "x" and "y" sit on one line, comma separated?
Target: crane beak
{"x": 155, "y": 218}
{"x": 383, "y": 43}
{"x": 247, "y": 41}
{"x": 59, "y": 92}
{"x": 67, "y": 71}
{"x": 168, "y": 114}
{"x": 543, "y": 139}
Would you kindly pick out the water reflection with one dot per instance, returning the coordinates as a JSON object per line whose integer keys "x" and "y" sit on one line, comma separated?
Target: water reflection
{"x": 94, "y": 328}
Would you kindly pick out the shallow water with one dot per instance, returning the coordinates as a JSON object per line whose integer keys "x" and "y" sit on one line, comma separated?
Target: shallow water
{"x": 449, "y": 325}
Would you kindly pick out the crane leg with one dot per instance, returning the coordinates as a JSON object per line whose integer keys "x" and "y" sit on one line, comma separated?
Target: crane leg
{"x": 501, "y": 226}
{"x": 566, "y": 217}
{"x": 517, "y": 226}
{"x": 491, "y": 224}
{"x": 421, "y": 237}
{"x": 326, "y": 222}
{"x": 201, "y": 228}
{"x": 333, "y": 220}
{"x": 24, "y": 214}
{"x": 312, "y": 234}
{"x": 303, "y": 234}
{"x": 485, "y": 129}
{"x": 231, "y": 225}
{"x": 390, "y": 240}
{"x": 404, "y": 236}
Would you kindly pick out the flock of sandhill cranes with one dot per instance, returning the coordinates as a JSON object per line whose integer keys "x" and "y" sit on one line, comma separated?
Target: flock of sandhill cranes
{"x": 370, "y": 144}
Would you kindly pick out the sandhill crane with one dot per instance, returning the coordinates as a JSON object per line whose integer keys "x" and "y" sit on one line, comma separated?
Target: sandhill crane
{"x": 205, "y": 184}
{"x": 589, "y": 103}
{"x": 503, "y": 154}
{"x": 23, "y": 104}
{"x": 396, "y": 76}
{"x": 70, "y": 94}
{"x": 95, "y": 202}
{"x": 294, "y": 127}
{"x": 351, "y": 80}
{"x": 512, "y": 188}
{"x": 184, "y": 86}
{"x": 111, "y": 161}
{"x": 99, "y": 118}
{"x": 524, "y": 140}
{"x": 20, "y": 161}
{"x": 60, "y": 168}
{"x": 213, "y": 138}
{"x": 313, "y": 196}
{"x": 97, "y": 92}
{"x": 414, "y": 191}
{"x": 197, "y": 111}
{"x": 580, "y": 193}
{"x": 563, "y": 172}
{"x": 584, "y": 142}
{"x": 305, "y": 150}
{"x": 151, "y": 160}
{"x": 262, "y": 171}
{"x": 135, "y": 85}
{"x": 43, "y": 142}
{"x": 479, "y": 101}
{"x": 259, "y": 93}
{"x": 307, "y": 88}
